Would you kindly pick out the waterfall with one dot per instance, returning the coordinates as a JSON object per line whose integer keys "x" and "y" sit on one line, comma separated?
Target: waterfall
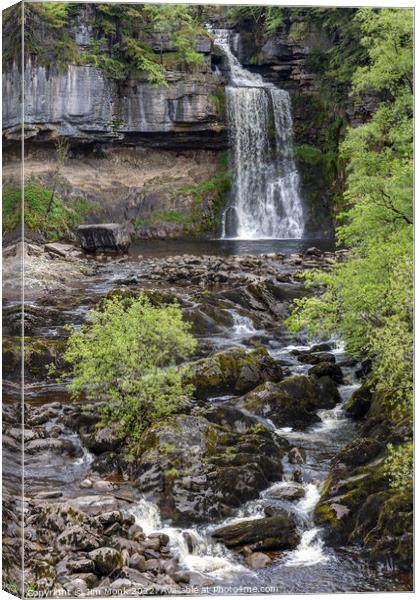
{"x": 266, "y": 201}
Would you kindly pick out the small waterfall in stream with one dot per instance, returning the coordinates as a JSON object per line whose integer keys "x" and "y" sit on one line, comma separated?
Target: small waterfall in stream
{"x": 266, "y": 202}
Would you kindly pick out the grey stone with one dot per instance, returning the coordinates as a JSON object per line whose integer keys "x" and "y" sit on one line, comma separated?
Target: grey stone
{"x": 106, "y": 560}
{"x": 104, "y": 237}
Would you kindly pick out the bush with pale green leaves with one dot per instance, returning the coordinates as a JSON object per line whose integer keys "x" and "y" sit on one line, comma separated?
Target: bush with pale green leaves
{"x": 128, "y": 356}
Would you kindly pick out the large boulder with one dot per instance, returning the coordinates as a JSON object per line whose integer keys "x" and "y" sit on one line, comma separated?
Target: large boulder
{"x": 199, "y": 471}
{"x": 314, "y": 358}
{"x": 358, "y": 405}
{"x": 40, "y": 353}
{"x": 291, "y": 403}
{"x": 104, "y": 439}
{"x": 234, "y": 371}
{"x": 268, "y": 533}
{"x": 327, "y": 369}
{"x": 358, "y": 505}
{"x": 106, "y": 560}
{"x": 104, "y": 237}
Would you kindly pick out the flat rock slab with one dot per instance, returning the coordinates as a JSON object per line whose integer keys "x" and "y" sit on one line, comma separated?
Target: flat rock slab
{"x": 104, "y": 237}
{"x": 59, "y": 249}
{"x": 269, "y": 533}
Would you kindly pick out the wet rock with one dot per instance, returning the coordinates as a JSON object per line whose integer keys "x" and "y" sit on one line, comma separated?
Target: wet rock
{"x": 138, "y": 562}
{"x": 291, "y": 402}
{"x": 258, "y": 560}
{"x": 296, "y": 456}
{"x": 230, "y": 416}
{"x": 365, "y": 368}
{"x": 314, "y": 359}
{"x": 313, "y": 251}
{"x": 360, "y": 451}
{"x": 234, "y": 371}
{"x": 359, "y": 403}
{"x": 326, "y": 391}
{"x": 62, "y": 446}
{"x": 77, "y": 587}
{"x": 269, "y": 533}
{"x": 40, "y": 353}
{"x": 82, "y": 565}
{"x": 77, "y": 537}
{"x": 107, "y": 560}
{"x": 104, "y": 486}
{"x": 326, "y": 369}
{"x": 49, "y": 495}
{"x": 298, "y": 475}
{"x": 104, "y": 237}
{"x": 101, "y": 440}
{"x": 95, "y": 504}
{"x": 357, "y": 504}
{"x": 199, "y": 471}
{"x": 86, "y": 483}
{"x": 121, "y": 584}
{"x": 60, "y": 249}
{"x": 291, "y": 491}
{"x": 323, "y": 347}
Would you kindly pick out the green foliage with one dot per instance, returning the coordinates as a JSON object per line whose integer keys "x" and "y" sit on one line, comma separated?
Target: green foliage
{"x": 308, "y": 154}
{"x": 122, "y": 44}
{"x": 10, "y": 585}
{"x": 262, "y": 19}
{"x": 219, "y": 101}
{"x": 127, "y": 356}
{"x": 399, "y": 466}
{"x": 44, "y": 211}
{"x": 368, "y": 299}
{"x": 209, "y": 197}
{"x": 159, "y": 216}
{"x": 388, "y": 37}
{"x": 47, "y": 35}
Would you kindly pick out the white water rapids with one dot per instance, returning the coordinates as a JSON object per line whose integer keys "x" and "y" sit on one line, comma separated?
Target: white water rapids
{"x": 200, "y": 553}
{"x": 266, "y": 201}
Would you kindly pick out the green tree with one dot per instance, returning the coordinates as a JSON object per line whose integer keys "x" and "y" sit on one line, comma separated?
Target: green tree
{"x": 368, "y": 299}
{"x": 123, "y": 38}
{"x": 48, "y": 36}
{"x": 127, "y": 356}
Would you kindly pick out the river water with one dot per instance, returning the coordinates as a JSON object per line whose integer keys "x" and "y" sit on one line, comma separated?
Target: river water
{"x": 312, "y": 566}
{"x": 224, "y": 247}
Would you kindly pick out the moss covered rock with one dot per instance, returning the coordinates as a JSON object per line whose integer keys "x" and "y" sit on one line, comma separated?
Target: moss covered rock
{"x": 292, "y": 402}
{"x": 234, "y": 371}
{"x": 358, "y": 405}
{"x": 39, "y": 353}
{"x": 199, "y": 471}
{"x": 269, "y": 533}
{"x": 358, "y": 505}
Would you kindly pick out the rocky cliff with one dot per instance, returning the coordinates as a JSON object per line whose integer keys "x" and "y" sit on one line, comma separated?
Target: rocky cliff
{"x": 185, "y": 114}
{"x": 83, "y": 105}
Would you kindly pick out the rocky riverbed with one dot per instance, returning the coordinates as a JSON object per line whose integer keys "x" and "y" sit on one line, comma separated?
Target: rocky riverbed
{"x": 225, "y": 493}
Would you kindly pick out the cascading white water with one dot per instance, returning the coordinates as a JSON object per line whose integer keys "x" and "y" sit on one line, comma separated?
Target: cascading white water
{"x": 206, "y": 557}
{"x": 266, "y": 201}
{"x": 242, "y": 326}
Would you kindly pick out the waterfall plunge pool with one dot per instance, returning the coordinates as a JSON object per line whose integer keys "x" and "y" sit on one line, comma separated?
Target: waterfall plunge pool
{"x": 225, "y": 247}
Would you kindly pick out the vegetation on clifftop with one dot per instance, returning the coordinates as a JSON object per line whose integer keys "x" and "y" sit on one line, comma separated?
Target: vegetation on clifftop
{"x": 126, "y": 38}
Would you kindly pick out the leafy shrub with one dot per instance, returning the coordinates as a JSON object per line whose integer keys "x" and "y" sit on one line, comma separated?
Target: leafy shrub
{"x": 399, "y": 466}
{"x": 44, "y": 211}
{"x": 127, "y": 356}
{"x": 368, "y": 299}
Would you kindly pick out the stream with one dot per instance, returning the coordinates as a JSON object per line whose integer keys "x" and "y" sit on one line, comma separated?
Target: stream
{"x": 312, "y": 566}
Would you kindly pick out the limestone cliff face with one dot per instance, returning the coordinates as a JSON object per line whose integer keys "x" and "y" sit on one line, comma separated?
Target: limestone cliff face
{"x": 83, "y": 105}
